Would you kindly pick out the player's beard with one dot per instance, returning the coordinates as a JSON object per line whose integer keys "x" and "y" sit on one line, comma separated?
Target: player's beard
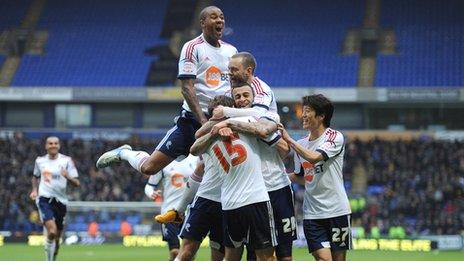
{"x": 238, "y": 81}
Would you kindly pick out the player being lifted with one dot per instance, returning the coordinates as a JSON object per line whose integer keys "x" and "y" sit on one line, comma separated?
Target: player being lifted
{"x": 203, "y": 73}
{"x": 172, "y": 180}
{"x": 54, "y": 170}
{"x": 245, "y": 202}
{"x": 241, "y": 70}
{"x": 319, "y": 165}
{"x": 242, "y": 67}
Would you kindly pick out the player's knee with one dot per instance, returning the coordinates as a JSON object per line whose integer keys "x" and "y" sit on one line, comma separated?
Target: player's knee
{"x": 148, "y": 167}
{"x": 152, "y": 166}
{"x": 185, "y": 255}
{"x": 52, "y": 234}
{"x": 322, "y": 257}
{"x": 173, "y": 253}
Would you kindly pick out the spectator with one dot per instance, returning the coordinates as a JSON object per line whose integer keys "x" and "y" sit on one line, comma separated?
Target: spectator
{"x": 420, "y": 183}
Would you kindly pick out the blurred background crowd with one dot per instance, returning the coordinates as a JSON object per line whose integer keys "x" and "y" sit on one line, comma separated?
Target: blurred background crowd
{"x": 396, "y": 188}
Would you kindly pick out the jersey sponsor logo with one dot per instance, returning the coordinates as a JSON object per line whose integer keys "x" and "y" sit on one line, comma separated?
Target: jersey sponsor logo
{"x": 47, "y": 175}
{"x": 213, "y": 76}
{"x": 310, "y": 170}
{"x": 177, "y": 180}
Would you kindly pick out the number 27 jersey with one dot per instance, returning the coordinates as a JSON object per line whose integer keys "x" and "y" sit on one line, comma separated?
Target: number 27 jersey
{"x": 239, "y": 163}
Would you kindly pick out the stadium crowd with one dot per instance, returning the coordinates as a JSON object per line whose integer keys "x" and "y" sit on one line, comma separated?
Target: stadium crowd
{"x": 417, "y": 185}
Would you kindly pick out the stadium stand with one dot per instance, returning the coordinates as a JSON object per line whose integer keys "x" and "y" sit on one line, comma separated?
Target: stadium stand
{"x": 12, "y": 12}
{"x": 102, "y": 43}
{"x": 296, "y": 43}
{"x": 430, "y": 40}
{"x": 417, "y": 184}
{"x": 94, "y": 43}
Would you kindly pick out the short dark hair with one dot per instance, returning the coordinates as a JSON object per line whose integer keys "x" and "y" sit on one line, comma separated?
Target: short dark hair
{"x": 321, "y": 105}
{"x": 223, "y": 100}
{"x": 206, "y": 10}
{"x": 248, "y": 60}
{"x": 240, "y": 85}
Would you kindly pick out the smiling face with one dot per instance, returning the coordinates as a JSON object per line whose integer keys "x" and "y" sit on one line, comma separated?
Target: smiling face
{"x": 52, "y": 146}
{"x": 311, "y": 121}
{"x": 243, "y": 96}
{"x": 238, "y": 74}
{"x": 212, "y": 23}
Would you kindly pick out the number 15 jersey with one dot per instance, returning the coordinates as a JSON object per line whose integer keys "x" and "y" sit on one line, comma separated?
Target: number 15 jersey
{"x": 237, "y": 159}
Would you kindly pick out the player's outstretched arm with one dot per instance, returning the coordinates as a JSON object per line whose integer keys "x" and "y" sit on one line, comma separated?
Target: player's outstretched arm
{"x": 222, "y": 111}
{"x": 308, "y": 155}
{"x": 188, "y": 91}
{"x": 263, "y": 128}
{"x": 202, "y": 144}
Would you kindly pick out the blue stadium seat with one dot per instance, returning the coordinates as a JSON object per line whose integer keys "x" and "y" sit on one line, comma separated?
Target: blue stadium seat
{"x": 296, "y": 43}
{"x": 430, "y": 41}
{"x": 94, "y": 43}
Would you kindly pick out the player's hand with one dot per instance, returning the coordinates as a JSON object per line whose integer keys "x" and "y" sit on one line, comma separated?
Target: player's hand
{"x": 217, "y": 127}
{"x": 33, "y": 195}
{"x": 64, "y": 173}
{"x": 226, "y": 132}
{"x": 283, "y": 132}
{"x": 155, "y": 194}
{"x": 218, "y": 113}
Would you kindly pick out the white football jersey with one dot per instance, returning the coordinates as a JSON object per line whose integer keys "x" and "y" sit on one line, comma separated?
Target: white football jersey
{"x": 209, "y": 66}
{"x": 264, "y": 96}
{"x": 238, "y": 161}
{"x": 173, "y": 178}
{"x": 52, "y": 183}
{"x": 325, "y": 195}
{"x": 272, "y": 166}
{"x": 210, "y": 186}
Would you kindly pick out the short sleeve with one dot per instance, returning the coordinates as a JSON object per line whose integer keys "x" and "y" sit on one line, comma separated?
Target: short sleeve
{"x": 188, "y": 61}
{"x": 71, "y": 168}
{"x": 272, "y": 139}
{"x": 272, "y": 116}
{"x": 154, "y": 180}
{"x": 332, "y": 146}
{"x": 36, "y": 172}
{"x": 263, "y": 95}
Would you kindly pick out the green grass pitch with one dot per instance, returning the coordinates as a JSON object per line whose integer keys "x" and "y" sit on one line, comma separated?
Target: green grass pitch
{"x": 22, "y": 252}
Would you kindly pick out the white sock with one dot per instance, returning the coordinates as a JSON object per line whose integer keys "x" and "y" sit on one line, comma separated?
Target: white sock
{"x": 135, "y": 158}
{"x": 49, "y": 249}
{"x": 188, "y": 195}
